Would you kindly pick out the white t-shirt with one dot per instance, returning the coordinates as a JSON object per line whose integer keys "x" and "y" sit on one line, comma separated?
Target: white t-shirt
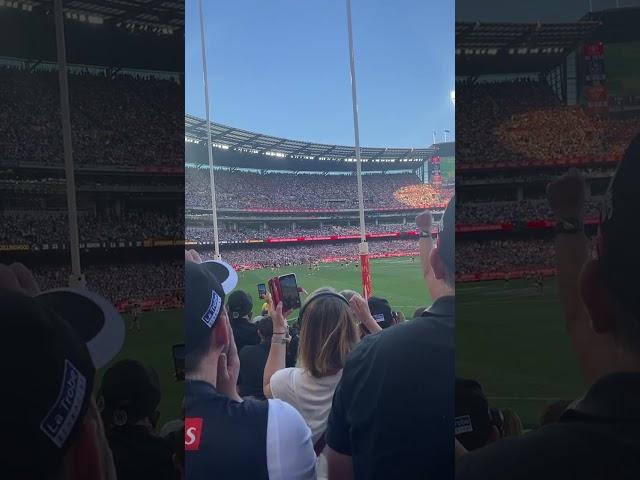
{"x": 311, "y": 396}
{"x": 287, "y": 434}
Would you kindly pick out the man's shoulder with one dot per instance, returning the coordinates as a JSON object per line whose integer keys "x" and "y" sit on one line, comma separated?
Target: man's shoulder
{"x": 415, "y": 331}
{"x": 553, "y": 451}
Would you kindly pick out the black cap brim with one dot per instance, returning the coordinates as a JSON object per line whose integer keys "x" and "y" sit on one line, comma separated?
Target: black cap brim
{"x": 94, "y": 318}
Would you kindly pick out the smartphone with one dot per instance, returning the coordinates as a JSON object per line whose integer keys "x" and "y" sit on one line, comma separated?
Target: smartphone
{"x": 262, "y": 290}
{"x": 178, "y": 360}
{"x": 285, "y": 289}
{"x": 289, "y": 292}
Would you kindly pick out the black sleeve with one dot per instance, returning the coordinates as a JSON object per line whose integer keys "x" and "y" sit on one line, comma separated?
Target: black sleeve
{"x": 337, "y": 435}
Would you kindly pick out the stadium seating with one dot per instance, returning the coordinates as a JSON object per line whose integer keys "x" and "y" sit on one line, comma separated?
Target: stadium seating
{"x": 257, "y": 257}
{"x": 121, "y": 282}
{"x": 523, "y": 121}
{"x": 252, "y": 191}
{"x": 104, "y": 114}
{"x": 38, "y": 228}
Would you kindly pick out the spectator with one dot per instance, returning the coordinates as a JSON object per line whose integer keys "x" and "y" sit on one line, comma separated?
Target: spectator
{"x": 602, "y": 316}
{"x": 327, "y": 334}
{"x": 240, "y": 306}
{"x": 226, "y": 437}
{"x": 253, "y": 359}
{"x": 381, "y": 312}
{"x": 392, "y": 410}
{"x": 129, "y": 397}
{"x": 59, "y": 363}
{"x": 475, "y": 426}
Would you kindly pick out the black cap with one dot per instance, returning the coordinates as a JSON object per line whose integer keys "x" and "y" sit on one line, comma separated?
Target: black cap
{"x": 381, "y": 311}
{"x": 447, "y": 236}
{"x": 473, "y": 418}
{"x": 620, "y": 230}
{"x": 52, "y": 345}
{"x": 240, "y": 304}
{"x": 130, "y": 391}
{"x": 206, "y": 285}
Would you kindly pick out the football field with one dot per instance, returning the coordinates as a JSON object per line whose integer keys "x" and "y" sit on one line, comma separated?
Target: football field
{"x": 508, "y": 337}
{"x": 512, "y": 340}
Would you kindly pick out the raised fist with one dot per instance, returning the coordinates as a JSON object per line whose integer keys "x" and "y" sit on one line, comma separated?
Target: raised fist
{"x": 424, "y": 221}
{"x": 566, "y": 195}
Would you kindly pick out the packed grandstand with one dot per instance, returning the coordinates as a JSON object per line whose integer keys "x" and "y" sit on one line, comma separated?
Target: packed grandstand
{"x": 126, "y": 196}
{"x": 301, "y": 210}
{"x": 517, "y": 130}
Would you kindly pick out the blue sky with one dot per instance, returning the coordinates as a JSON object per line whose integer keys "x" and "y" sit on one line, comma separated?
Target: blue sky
{"x": 281, "y": 67}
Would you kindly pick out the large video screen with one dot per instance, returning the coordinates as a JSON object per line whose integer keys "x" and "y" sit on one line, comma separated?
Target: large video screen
{"x": 622, "y": 68}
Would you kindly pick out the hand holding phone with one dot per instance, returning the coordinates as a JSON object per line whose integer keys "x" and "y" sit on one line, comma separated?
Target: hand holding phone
{"x": 285, "y": 289}
{"x": 262, "y": 290}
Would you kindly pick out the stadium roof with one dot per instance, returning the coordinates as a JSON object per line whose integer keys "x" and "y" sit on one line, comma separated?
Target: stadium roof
{"x": 138, "y": 14}
{"x": 141, "y": 34}
{"x": 229, "y": 138}
{"x": 495, "y": 48}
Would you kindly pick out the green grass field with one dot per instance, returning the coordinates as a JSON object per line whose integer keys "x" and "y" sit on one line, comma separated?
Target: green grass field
{"x": 510, "y": 338}
{"x": 398, "y": 280}
{"x": 513, "y": 340}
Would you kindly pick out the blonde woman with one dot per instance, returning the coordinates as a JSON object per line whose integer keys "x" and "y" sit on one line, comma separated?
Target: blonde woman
{"x": 328, "y": 333}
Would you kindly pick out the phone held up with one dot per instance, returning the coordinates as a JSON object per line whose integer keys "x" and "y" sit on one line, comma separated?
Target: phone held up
{"x": 262, "y": 290}
{"x": 285, "y": 289}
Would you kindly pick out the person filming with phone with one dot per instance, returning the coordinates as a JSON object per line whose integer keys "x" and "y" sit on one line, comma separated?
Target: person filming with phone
{"x": 226, "y": 437}
{"x": 328, "y": 333}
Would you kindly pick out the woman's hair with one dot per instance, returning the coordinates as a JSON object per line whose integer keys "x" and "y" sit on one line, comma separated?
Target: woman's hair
{"x": 511, "y": 423}
{"x": 348, "y": 294}
{"x": 328, "y": 333}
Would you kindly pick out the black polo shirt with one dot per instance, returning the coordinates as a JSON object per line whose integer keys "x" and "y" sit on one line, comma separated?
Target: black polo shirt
{"x": 253, "y": 358}
{"x": 393, "y": 411}
{"x": 244, "y": 332}
{"x": 137, "y": 453}
{"x": 598, "y": 437}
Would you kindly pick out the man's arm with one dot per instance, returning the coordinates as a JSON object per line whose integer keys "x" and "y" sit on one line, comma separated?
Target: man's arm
{"x": 567, "y": 198}
{"x": 340, "y": 465}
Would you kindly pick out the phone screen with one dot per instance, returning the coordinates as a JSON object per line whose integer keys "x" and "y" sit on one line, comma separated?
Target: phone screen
{"x": 178, "y": 360}
{"x": 262, "y": 290}
{"x": 289, "y": 292}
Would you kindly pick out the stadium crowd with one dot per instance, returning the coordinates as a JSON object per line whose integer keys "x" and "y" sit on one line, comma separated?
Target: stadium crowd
{"x": 302, "y": 191}
{"x": 122, "y": 282}
{"x": 513, "y": 211}
{"x": 106, "y": 113}
{"x": 257, "y": 257}
{"x": 38, "y": 228}
{"x": 524, "y": 119}
{"x": 503, "y": 255}
{"x": 226, "y": 233}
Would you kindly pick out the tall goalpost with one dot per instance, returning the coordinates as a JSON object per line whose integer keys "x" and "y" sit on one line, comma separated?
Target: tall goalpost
{"x": 363, "y": 246}
{"x": 212, "y": 183}
{"x": 76, "y": 278}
